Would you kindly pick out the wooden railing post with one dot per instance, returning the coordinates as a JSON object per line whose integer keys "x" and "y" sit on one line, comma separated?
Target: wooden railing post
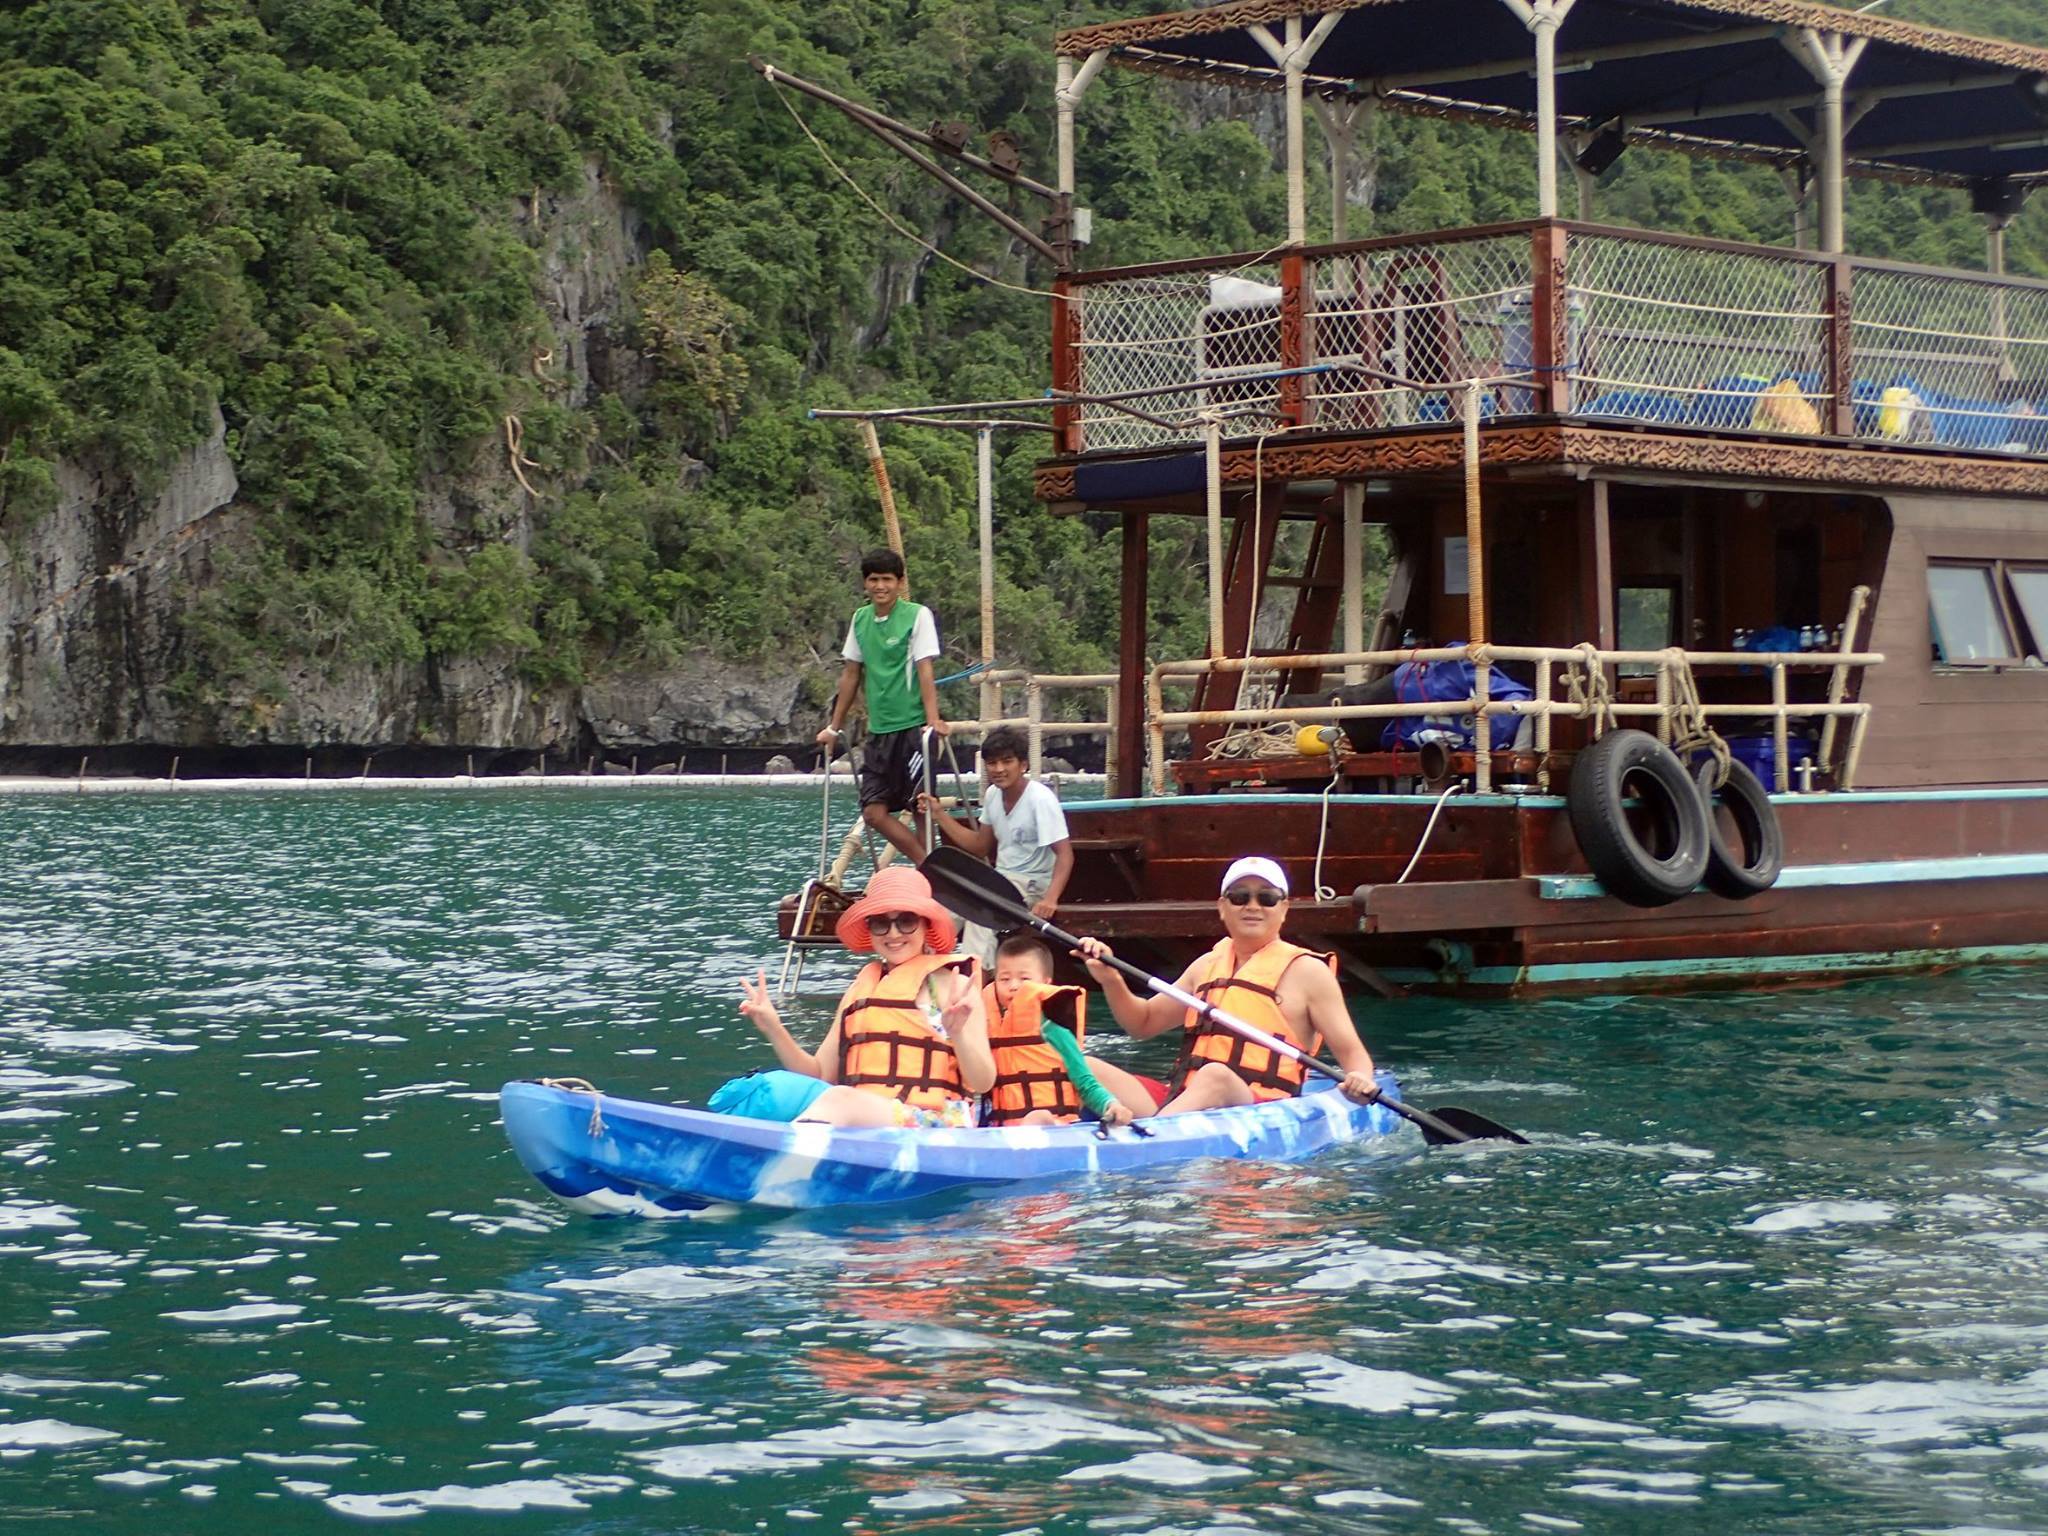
{"x": 1066, "y": 364}
{"x": 1840, "y": 349}
{"x": 1550, "y": 356}
{"x": 1293, "y": 336}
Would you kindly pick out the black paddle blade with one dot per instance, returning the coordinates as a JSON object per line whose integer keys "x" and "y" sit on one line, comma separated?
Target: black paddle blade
{"x": 1475, "y": 1126}
{"x": 973, "y": 889}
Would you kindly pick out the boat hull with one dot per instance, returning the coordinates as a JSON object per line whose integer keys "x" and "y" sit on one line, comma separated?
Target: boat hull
{"x": 1500, "y": 900}
{"x": 611, "y": 1156}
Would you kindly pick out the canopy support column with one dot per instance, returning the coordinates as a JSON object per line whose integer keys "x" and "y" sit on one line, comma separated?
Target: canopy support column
{"x": 1294, "y": 56}
{"x": 1830, "y": 57}
{"x": 1574, "y": 146}
{"x": 1543, "y": 18}
{"x": 1071, "y": 84}
{"x": 1340, "y": 121}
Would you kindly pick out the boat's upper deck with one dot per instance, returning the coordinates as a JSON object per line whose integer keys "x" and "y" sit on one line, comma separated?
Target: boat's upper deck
{"x": 1593, "y": 347}
{"x": 1598, "y": 325}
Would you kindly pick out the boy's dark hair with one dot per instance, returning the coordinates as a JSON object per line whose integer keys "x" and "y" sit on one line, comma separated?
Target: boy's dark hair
{"x": 881, "y": 562}
{"x": 1026, "y": 944}
{"x": 1005, "y": 741}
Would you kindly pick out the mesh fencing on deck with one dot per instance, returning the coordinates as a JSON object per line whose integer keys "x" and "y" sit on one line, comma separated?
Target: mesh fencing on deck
{"x": 1202, "y": 330}
{"x": 1948, "y": 359}
{"x": 1695, "y": 336}
{"x": 1661, "y": 331}
{"x": 1433, "y": 314}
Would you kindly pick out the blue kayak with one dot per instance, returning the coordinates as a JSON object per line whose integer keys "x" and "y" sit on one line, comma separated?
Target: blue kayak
{"x": 621, "y": 1157}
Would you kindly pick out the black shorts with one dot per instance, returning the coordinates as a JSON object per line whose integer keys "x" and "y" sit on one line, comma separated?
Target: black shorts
{"x": 892, "y": 769}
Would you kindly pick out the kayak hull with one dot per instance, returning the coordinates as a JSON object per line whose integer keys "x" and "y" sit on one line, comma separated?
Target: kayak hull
{"x": 615, "y": 1157}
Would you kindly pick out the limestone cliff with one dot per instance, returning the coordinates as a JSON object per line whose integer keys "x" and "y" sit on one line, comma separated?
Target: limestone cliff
{"x": 95, "y": 594}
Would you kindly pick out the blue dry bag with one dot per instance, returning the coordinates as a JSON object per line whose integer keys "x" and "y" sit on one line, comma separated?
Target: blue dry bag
{"x": 1420, "y": 682}
{"x": 776, "y": 1095}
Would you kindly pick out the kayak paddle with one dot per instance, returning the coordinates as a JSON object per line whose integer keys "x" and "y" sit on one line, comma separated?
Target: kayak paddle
{"x": 986, "y": 897}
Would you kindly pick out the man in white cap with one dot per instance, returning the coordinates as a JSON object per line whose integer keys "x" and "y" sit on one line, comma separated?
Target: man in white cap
{"x": 1262, "y": 979}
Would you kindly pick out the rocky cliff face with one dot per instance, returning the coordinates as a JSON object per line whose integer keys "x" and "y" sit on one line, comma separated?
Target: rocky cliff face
{"x": 89, "y": 599}
{"x": 92, "y": 595}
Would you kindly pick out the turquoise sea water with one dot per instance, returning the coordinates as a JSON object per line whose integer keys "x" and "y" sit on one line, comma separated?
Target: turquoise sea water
{"x": 1776, "y": 1262}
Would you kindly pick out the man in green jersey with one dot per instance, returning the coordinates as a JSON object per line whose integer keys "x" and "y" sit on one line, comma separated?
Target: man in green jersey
{"x": 890, "y": 647}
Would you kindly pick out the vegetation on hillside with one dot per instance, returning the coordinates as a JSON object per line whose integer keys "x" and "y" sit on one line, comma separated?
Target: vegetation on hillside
{"x": 321, "y": 218}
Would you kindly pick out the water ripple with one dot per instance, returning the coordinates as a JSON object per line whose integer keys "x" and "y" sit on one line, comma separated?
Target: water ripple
{"x": 1774, "y": 1266}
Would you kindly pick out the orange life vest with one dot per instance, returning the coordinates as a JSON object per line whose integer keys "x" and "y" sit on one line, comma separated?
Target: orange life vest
{"x": 887, "y": 1043}
{"x": 1252, "y": 993}
{"x": 1029, "y": 1074}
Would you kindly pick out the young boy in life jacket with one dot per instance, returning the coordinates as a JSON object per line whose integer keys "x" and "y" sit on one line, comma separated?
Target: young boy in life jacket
{"x": 1262, "y": 979}
{"x": 908, "y": 1046}
{"x": 1032, "y": 1087}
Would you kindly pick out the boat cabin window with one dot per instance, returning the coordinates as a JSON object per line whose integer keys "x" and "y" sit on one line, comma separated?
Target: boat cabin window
{"x": 1645, "y": 619}
{"x": 2030, "y": 591}
{"x": 1966, "y": 617}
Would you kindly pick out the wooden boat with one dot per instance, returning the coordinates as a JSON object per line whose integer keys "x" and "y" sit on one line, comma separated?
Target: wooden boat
{"x": 609, "y": 1156}
{"x": 1662, "y": 482}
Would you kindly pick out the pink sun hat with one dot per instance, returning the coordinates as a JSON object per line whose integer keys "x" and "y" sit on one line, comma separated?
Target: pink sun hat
{"x": 898, "y": 888}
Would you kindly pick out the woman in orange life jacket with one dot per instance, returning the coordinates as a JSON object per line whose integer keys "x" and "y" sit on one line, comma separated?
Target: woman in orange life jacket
{"x": 1262, "y": 979}
{"x": 1032, "y": 1087}
{"x": 908, "y": 1046}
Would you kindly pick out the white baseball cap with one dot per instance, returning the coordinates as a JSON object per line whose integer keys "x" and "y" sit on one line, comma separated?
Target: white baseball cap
{"x": 1264, "y": 869}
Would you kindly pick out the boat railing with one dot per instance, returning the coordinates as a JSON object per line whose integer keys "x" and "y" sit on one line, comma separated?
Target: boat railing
{"x": 1583, "y": 671}
{"x": 1034, "y": 722}
{"x": 1569, "y": 320}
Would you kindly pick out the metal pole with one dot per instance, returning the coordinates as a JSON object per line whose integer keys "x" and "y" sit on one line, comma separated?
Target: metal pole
{"x": 1064, "y": 103}
{"x": 1297, "y": 189}
{"x": 1829, "y": 58}
{"x": 984, "y": 467}
{"x": 1781, "y": 755}
{"x": 1354, "y": 576}
{"x": 1831, "y": 173}
{"x": 1475, "y": 597}
{"x": 1070, "y": 85}
{"x": 1338, "y": 126}
{"x": 1475, "y": 564}
{"x": 1545, "y": 28}
{"x": 1212, "y": 445}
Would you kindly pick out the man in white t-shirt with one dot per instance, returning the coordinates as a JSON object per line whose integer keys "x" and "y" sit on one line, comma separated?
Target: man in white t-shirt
{"x": 1022, "y": 828}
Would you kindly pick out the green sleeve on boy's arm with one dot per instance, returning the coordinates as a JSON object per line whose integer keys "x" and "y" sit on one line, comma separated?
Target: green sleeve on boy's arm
{"x": 1095, "y": 1098}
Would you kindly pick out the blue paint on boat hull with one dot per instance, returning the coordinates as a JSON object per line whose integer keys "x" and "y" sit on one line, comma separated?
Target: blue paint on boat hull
{"x": 1710, "y": 968}
{"x": 610, "y": 1156}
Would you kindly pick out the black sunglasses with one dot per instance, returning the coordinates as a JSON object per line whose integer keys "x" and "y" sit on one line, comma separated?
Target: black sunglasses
{"x": 1265, "y": 896}
{"x": 901, "y": 922}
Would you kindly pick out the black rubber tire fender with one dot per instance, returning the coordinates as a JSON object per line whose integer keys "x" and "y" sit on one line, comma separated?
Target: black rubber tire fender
{"x": 1633, "y": 764}
{"x": 1739, "y": 873}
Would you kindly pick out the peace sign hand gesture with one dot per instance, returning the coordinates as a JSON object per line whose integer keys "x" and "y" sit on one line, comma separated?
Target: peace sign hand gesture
{"x": 959, "y": 1004}
{"x": 756, "y": 1007}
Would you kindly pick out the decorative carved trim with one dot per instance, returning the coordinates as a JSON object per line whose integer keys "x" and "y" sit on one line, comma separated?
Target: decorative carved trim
{"x": 1567, "y": 446}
